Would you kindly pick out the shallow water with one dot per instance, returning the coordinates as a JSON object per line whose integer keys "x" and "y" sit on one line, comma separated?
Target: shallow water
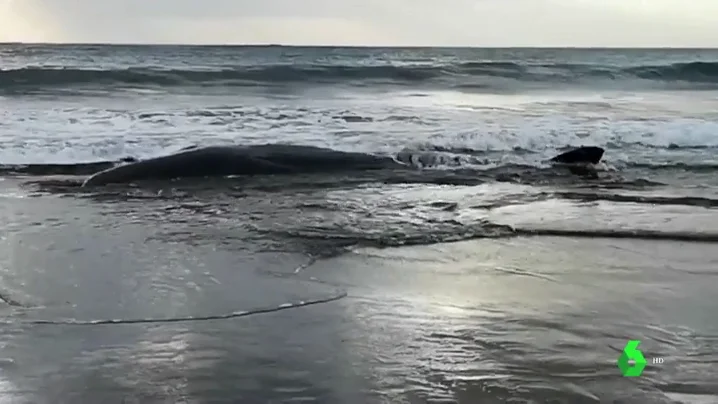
{"x": 494, "y": 280}
{"x": 487, "y": 320}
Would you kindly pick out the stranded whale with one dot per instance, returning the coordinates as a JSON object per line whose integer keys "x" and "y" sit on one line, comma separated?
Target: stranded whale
{"x": 218, "y": 161}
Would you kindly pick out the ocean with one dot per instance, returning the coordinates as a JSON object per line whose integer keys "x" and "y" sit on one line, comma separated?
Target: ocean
{"x": 488, "y": 276}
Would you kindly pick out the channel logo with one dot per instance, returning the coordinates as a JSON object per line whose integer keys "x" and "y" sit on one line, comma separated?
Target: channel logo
{"x": 632, "y": 362}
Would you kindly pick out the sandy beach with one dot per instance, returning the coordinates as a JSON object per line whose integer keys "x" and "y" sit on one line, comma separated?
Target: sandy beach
{"x": 96, "y": 288}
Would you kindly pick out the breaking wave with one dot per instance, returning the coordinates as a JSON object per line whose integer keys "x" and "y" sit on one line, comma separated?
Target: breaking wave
{"x": 463, "y": 74}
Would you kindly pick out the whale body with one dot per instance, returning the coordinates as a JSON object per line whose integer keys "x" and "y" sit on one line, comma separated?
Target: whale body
{"x": 216, "y": 161}
{"x": 222, "y": 161}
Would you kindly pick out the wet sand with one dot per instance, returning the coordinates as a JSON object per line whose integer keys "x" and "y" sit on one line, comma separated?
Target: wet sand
{"x": 521, "y": 319}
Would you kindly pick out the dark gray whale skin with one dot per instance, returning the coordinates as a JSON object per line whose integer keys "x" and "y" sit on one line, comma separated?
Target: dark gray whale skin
{"x": 216, "y": 161}
{"x": 580, "y": 155}
{"x": 220, "y": 161}
{"x": 581, "y": 161}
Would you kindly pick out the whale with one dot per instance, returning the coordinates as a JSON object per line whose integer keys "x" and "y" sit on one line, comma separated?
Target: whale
{"x": 223, "y": 161}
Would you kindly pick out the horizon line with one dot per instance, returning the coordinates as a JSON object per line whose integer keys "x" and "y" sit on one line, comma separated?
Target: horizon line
{"x": 279, "y": 45}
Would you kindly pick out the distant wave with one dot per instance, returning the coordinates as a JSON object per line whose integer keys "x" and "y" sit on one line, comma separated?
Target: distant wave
{"x": 466, "y": 74}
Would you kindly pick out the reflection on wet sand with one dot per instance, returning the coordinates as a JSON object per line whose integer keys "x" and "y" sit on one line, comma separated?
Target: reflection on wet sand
{"x": 486, "y": 320}
{"x": 550, "y": 327}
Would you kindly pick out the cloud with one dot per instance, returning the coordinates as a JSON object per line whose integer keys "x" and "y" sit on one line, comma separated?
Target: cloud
{"x": 366, "y": 22}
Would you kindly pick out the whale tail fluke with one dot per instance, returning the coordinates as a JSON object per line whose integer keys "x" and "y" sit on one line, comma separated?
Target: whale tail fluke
{"x": 582, "y": 161}
{"x": 581, "y": 155}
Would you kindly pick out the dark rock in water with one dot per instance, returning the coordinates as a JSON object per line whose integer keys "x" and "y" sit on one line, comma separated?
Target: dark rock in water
{"x": 219, "y": 161}
{"x": 581, "y": 155}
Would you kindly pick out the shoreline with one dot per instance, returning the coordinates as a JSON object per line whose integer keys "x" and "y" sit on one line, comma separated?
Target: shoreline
{"x": 487, "y": 316}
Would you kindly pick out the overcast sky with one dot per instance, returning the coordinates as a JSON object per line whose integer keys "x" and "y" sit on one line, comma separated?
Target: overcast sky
{"x": 672, "y": 23}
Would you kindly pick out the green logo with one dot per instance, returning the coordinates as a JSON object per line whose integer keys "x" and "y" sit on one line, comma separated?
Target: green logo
{"x": 631, "y": 353}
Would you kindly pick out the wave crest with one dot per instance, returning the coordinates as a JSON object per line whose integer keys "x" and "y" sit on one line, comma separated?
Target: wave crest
{"x": 463, "y": 74}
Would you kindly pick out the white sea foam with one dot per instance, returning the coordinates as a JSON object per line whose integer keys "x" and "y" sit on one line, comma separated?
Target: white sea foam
{"x": 90, "y": 129}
